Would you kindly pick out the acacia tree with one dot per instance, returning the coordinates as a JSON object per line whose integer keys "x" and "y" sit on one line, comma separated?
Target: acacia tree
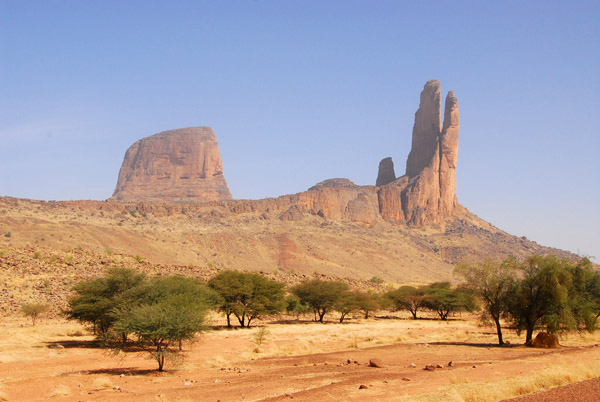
{"x": 346, "y": 303}
{"x": 492, "y": 282}
{"x": 247, "y": 295}
{"x": 584, "y": 296}
{"x": 368, "y": 302}
{"x": 443, "y": 299}
{"x": 162, "y": 322}
{"x": 295, "y": 306}
{"x": 541, "y": 297}
{"x": 321, "y": 295}
{"x": 95, "y": 300}
{"x": 408, "y": 298}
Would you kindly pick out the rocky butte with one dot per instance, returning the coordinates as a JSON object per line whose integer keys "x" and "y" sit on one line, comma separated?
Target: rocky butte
{"x": 185, "y": 165}
{"x": 176, "y": 165}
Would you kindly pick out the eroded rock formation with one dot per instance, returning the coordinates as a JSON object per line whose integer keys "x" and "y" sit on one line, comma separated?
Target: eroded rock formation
{"x": 385, "y": 174}
{"x": 185, "y": 165}
{"x": 176, "y": 165}
{"x": 427, "y": 193}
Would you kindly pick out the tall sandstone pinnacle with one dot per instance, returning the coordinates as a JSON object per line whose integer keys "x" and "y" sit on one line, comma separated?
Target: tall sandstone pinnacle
{"x": 176, "y": 165}
{"x": 427, "y": 193}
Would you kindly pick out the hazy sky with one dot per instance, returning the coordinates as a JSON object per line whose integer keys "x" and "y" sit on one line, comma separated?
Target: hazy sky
{"x": 301, "y": 91}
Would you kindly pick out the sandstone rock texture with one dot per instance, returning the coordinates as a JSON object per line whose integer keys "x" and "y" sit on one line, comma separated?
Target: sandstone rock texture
{"x": 385, "y": 174}
{"x": 427, "y": 193}
{"x": 176, "y": 165}
{"x": 332, "y": 183}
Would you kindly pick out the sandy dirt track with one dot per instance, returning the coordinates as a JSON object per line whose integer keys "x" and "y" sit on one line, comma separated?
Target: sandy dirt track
{"x": 303, "y": 362}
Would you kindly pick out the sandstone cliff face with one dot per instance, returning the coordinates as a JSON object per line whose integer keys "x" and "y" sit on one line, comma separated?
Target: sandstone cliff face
{"x": 427, "y": 193}
{"x": 176, "y": 165}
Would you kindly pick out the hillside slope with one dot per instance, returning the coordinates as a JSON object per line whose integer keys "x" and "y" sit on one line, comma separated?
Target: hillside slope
{"x": 46, "y": 246}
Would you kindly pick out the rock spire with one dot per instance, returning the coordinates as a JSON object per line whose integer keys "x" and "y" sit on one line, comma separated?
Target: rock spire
{"x": 385, "y": 174}
{"x": 427, "y": 192}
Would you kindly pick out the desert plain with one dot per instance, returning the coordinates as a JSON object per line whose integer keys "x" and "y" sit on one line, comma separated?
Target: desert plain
{"x": 296, "y": 359}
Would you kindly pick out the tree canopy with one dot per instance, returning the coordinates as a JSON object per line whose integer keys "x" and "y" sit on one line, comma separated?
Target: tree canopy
{"x": 247, "y": 295}
{"x": 321, "y": 295}
{"x": 492, "y": 282}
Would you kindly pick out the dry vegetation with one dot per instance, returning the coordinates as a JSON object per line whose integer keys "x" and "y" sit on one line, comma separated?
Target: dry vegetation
{"x": 306, "y": 360}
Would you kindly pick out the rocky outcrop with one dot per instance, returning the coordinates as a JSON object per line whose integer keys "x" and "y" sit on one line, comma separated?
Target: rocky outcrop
{"x": 332, "y": 183}
{"x": 385, "y": 174}
{"x": 185, "y": 165}
{"x": 427, "y": 193}
{"x": 176, "y": 165}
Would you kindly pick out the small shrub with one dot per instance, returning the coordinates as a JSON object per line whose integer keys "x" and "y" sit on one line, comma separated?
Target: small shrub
{"x": 376, "y": 279}
{"x": 261, "y": 335}
{"x": 33, "y": 310}
{"x": 37, "y": 255}
{"x": 108, "y": 252}
{"x": 139, "y": 259}
{"x": 133, "y": 213}
{"x": 7, "y": 235}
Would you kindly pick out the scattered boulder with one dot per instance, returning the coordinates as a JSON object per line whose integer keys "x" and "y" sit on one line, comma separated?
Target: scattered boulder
{"x": 362, "y": 386}
{"x": 376, "y": 363}
{"x": 429, "y": 367}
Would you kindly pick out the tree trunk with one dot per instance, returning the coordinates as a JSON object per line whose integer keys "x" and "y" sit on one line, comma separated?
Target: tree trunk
{"x": 529, "y": 335}
{"x": 228, "y": 320}
{"x": 160, "y": 358}
{"x": 342, "y": 317}
{"x": 414, "y": 314}
{"x": 499, "y": 330}
{"x": 321, "y": 315}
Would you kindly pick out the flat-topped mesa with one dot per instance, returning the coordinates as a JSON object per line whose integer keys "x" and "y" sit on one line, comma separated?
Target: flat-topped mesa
{"x": 427, "y": 193}
{"x": 176, "y": 165}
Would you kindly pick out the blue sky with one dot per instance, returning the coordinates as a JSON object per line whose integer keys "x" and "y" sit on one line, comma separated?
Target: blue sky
{"x": 301, "y": 91}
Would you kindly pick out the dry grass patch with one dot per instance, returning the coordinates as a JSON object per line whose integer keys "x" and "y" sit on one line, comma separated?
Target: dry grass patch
{"x": 461, "y": 390}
